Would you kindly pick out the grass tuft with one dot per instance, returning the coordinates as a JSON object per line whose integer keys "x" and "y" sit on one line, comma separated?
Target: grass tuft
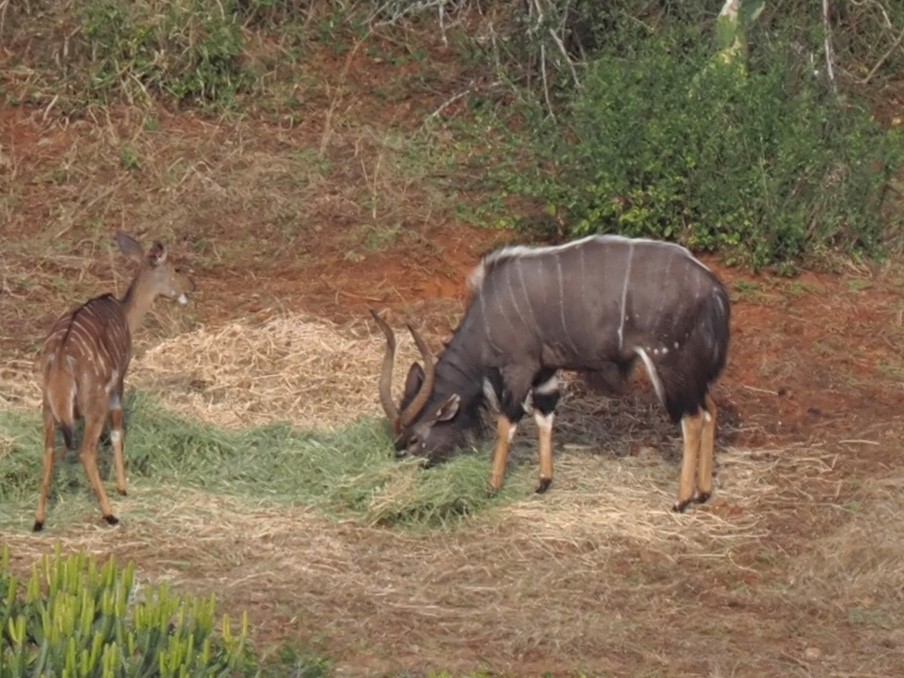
{"x": 347, "y": 474}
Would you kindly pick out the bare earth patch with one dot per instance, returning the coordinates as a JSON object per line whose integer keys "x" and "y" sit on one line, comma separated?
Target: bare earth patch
{"x": 792, "y": 569}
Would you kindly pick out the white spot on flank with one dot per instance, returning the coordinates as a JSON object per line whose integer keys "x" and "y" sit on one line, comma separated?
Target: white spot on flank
{"x": 653, "y": 374}
{"x": 677, "y": 344}
{"x": 475, "y": 277}
{"x": 490, "y": 394}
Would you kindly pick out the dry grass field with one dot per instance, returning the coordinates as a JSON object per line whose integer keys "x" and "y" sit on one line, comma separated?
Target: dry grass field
{"x": 292, "y": 231}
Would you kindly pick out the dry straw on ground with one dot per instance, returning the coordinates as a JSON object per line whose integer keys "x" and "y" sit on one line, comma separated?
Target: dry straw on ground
{"x": 295, "y": 368}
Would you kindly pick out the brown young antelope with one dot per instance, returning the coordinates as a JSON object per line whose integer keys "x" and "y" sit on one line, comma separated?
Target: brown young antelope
{"x": 594, "y": 306}
{"x": 84, "y": 361}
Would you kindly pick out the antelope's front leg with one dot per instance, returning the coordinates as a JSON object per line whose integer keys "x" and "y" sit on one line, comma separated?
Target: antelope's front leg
{"x": 691, "y": 432}
{"x": 505, "y": 433}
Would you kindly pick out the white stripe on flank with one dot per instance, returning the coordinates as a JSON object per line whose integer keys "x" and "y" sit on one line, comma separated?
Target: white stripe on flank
{"x": 562, "y": 305}
{"x": 624, "y": 297}
{"x": 652, "y": 373}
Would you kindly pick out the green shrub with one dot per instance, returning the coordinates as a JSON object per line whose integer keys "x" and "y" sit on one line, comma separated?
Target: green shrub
{"x": 666, "y": 142}
{"x": 188, "y": 49}
{"x": 77, "y": 618}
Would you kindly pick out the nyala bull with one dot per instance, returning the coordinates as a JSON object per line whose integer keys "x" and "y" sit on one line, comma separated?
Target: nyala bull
{"x": 595, "y": 306}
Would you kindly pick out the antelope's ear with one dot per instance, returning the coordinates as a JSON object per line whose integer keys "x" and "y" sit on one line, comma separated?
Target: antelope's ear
{"x": 448, "y": 409}
{"x": 130, "y": 247}
{"x": 414, "y": 380}
{"x": 157, "y": 255}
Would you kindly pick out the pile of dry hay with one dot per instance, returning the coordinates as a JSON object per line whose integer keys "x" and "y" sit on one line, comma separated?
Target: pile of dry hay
{"x": 295, "y": 368}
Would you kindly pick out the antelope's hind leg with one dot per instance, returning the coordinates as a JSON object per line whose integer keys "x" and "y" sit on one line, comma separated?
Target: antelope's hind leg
{"x": 94, "y": 425}
{"x": 116, "y": 438}
{"x": 707, "y": 452}
{"x": 692, "y": 426}
{"x": 47, "y": 476}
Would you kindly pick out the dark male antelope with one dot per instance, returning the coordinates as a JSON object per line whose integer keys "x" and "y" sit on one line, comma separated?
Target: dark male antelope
{"x": 84, "y": 361}
{"x": 594, "y": 306}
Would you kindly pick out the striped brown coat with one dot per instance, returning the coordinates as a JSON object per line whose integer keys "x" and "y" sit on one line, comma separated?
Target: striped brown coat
{"x": 595, "y": 306}
{"x": 84, "y": 361}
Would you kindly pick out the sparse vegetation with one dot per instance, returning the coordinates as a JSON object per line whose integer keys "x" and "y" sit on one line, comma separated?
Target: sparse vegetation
{"x": 346, "y": 474}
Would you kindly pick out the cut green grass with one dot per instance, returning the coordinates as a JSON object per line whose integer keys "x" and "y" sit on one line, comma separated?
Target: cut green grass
{"x": 347, "y": 474}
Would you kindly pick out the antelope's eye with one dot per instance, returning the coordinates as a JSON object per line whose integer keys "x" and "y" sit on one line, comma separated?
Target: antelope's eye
{"x": 413, "y": 441}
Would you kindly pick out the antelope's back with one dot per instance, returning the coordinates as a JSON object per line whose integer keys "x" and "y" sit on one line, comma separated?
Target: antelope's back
{"x": 94, "y": 338}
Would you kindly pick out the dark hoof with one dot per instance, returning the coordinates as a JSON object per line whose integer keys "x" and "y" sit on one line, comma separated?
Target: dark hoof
{"x": 38, "y": 526}
{"x": 679, "y": 506}
{"x": 543, "y": 485}
{"x": 122, "y": 492}
{"x": 111, "y": 520}
{"x": 702, "y": 497}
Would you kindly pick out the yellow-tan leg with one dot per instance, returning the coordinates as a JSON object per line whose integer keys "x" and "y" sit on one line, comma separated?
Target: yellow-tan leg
{"x": 707, "y": 443}
{"x": 544, "y": 428}
{"x": 93, "y": 428}
{"x": 692, "y": 431}
{"x": 47, "y": 476}
{"x": 505, "y": 432}
{"x": 116, "y": 438}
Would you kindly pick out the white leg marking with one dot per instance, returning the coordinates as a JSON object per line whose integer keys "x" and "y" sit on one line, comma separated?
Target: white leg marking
{"x": 707, "y": 416}
{"x": 652, "y": 373}
{"x": 624, "y": 297}
{"x": 544, "y": 421}
{"x": 511, "y": 433}
{"x": 115, "y": 437}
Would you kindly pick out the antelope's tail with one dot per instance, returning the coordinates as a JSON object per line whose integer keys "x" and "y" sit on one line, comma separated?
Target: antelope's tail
{"x": 60, "y": 389}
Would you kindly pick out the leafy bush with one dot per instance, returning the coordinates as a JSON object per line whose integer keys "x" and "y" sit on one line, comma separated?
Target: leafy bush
{"x": 667, "y": 142}
{"x": 77, "y": 618}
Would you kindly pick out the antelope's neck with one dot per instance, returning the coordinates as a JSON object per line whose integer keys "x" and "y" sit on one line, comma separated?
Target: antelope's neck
{"x": 461, "y": 369}
{"x": 136, "y": 302}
